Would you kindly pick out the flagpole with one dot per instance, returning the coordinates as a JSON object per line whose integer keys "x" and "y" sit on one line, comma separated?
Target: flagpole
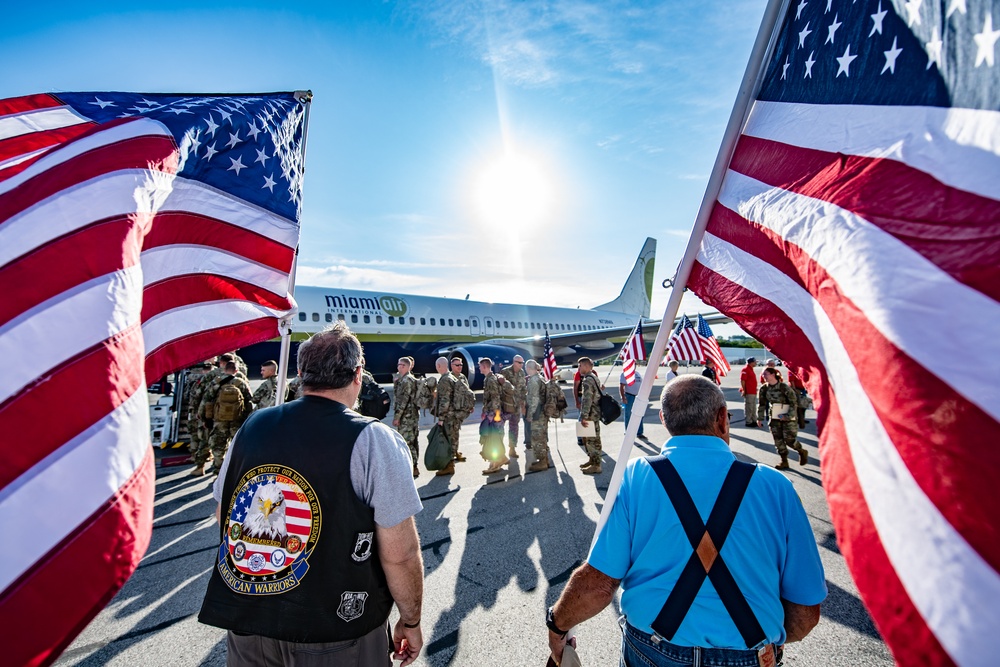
{"x": 285, "y": 324}
{"x": 747, "y": 93}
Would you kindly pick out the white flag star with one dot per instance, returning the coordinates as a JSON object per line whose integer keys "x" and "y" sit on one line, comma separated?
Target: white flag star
{"x": 263, "y": 157}
{"x": 829, "y": 5}
{"x": 269, "y": 183}
{"x": 845, "y": 62}
{"x": 178, "y": 112}
{"x": 234, "y": 138}
{"x": 913, "y": 11}
{"x": 212, "y": 127}
{"x": 798, "y": 13}
{"x": 955, "y": 4}
{"x": 210, "y": 152}
{"x": 877, "y": 18}
{"x": 802, "y": 35}
{"x": 833, "y": 29}
{"x": 254, "y": 130}
{"x": 784, "y": 69}
{"x": 934, "y": 52}
{"x": 225, "y": 115}
{"x": 809, "y": 66}
{"x": 149, "y": 103}
{"x": 101, "y": 103}
{"x": 985, "y": 42}
{"x": 890, "y": 58}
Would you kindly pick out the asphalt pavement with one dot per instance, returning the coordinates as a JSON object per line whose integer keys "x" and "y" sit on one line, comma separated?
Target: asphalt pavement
{"x": 497, "y": 552}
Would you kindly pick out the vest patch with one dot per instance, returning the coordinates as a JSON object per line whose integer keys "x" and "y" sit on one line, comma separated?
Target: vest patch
{"x": 363, "y": 547}
{"x": 273, "y": 526}
{"x": 352, "y": 605}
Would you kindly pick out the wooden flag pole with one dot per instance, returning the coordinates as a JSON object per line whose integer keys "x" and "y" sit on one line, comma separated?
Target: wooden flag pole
{"x": 285, "y": 325}
{"x": 741, "y": 109}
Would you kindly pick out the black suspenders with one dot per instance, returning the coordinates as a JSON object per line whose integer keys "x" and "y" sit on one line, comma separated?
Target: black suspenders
{"x": 706, "y": 561}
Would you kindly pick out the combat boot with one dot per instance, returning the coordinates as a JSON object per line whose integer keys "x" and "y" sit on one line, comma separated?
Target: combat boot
{"x": 803, "y": 456}
{"x": 459, "y": 457}
{"x": 592, "y": 469}
{"x": 199, "y": 471}
{"x": 541, "y": 464}
{"x": 447, "y": 470}
{"x": 585, "y": 464}
{"x": 416, "y": 473}
{"x": 784, "y": 462}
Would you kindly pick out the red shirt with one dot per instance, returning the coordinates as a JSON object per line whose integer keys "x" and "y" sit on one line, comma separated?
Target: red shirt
{"x": 794, "y": 381}
{"x": 749, "y": 380}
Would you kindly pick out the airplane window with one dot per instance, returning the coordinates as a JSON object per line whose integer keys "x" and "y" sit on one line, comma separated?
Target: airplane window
{"x": 423, "y": 321}
{"x": 466, "y": 322}
{"x": 475, "y": 323}
{"x": 414, "y": 321}
{"x": 340, "y": 317}
{"x": 367, "y": 319}
{"x": 518, "y": 325}
{"x": 315, "y": 317}
{"x": 505, "y": 324}
{"x": 354, "y": 319}
{"x": 392, "y": 319}
{"x": 302, "y": 317}
{"x": 451, "y": 322}
{"x": 432, "y": 321}
{"x": 402, "y": 321}
{"x": 329, "y": 317}
{"x": 378, "y": 319}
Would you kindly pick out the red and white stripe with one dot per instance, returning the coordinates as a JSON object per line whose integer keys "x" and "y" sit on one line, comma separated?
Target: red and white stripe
{"x": 109, "y": 263}
{"x": 633, "y": 350}
{"x": 685, "y": 346}
{"x": 549, "y": 366}
{"x": 711, "y": 350}
{"x": 856, "y": 243}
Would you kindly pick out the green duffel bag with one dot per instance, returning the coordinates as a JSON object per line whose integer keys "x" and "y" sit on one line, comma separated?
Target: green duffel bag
{"x": 437, "y": 455}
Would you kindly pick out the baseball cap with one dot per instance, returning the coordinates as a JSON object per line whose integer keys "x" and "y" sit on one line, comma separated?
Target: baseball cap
{"x": 751, "y": 360}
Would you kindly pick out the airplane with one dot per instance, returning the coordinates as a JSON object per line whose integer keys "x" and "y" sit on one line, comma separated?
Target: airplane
{"x": 391, "y": 326}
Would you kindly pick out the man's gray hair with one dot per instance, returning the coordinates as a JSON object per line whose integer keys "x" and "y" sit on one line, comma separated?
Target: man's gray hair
{"x": 330, "y": 358}
{"x": 531, "y": 363}
{"x": 691, "y": 404}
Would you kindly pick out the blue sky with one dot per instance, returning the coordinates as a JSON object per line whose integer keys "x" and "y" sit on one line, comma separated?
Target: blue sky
{"x": 618, "y": 107}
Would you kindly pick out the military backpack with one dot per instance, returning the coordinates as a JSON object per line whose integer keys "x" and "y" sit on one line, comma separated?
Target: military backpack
{"x": 374, "y": 400}
{"x": 463, "y": 400}
{"x": 555, "y": 399}
{"x": 229, "y": 404}
{"x": 425, "y": 392}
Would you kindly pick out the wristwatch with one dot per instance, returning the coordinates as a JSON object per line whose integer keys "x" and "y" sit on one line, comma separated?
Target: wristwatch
{"x": 550, "y": 623}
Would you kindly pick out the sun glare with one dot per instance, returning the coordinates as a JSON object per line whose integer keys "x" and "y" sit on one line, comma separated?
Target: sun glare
{"x": 513, "y": 192}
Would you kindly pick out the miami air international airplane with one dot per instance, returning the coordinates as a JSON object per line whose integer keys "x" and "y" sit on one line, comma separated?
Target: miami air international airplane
{"x": 394, "y": 325}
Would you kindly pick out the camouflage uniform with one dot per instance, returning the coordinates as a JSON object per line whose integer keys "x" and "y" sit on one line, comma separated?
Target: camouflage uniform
{"x": 784, "y": 431}
{"x": 407, "y": 415}
{"x": 536, "y": 396}
{"x": 492, "y": 401}
{"x": 266, "y": 392}
{"x": 590, "y": 410}
{"x": 450, "y": 420}
{"x": 241, "y": 366}
{"x": 292, "y": 389}
{"x": 513, "y": 393}
{"x": 223, "y": 431}
{"x": 199, "y": 425}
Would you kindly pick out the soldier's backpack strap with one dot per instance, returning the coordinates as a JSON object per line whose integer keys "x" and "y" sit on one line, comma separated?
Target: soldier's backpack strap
{"x": 706, "y": 560}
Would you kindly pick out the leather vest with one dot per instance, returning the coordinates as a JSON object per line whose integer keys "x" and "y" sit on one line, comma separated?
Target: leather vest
{"x": 298, "y": 559}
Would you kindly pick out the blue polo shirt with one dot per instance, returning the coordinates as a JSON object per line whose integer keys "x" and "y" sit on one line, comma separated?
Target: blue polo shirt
{"x": 770, "y": 550}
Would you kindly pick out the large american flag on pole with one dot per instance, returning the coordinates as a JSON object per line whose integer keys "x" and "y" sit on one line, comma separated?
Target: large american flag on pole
{"x": 633, "y": 350}
{"x": 138, "y": 234}
{"x": 856, "y": 234}
{"x": 549, "y": 366}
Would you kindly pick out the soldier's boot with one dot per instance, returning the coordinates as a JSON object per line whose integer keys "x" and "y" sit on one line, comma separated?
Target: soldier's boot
{"x": 587, "y": 464}
{"x": 783, "y": 465}
{"x": 199, "y": 471}
{"x": 512, "y": 452}
{"x": 542, "y": 463}
{"x": 803, "y": 456}
{"x": 416, "y": 473}
{"x": 447, "y": 470}
{"x": 459, "y": 457}
{"x": 592, "y": 469}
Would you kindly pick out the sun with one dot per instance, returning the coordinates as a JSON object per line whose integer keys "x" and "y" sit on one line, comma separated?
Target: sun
{"x": 513, "y": 192}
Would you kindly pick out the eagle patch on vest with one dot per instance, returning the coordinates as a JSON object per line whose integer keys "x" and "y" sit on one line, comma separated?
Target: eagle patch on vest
{"x": 352, "y": 605}
{"x": 363, "y": 547}
{"x": 272, "y": 527}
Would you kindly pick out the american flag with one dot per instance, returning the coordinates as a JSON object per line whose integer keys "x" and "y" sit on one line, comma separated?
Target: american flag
{"x": 855, "y": 234}
{"x": 710, "y": 348}
{"x": 549, "y": 366}
{"x": 684, "y": 342}
{"x": 137, "y": 232}
{"x": 634, "y": 350}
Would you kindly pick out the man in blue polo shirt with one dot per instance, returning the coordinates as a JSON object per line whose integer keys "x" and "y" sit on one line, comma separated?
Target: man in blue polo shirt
{"x": 735, "y": 604}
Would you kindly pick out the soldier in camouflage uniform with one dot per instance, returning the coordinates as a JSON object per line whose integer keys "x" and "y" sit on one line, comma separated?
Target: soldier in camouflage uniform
{"x": 513, "y": 394}
{"x": 492, "y": 414}
{"x": 203, "y": 424}
{"x": 406, "y": 418}
{"x": 223, "y": 431}
{"x": 266, "y": 393}
{"x": 784, "y": 429}
{"x": 447, "y": 418}
{"x": 535, "y": 415}
{"x": 590, "y": 411}
{"x": 241, "y": 366}
{"x": 193, "y": 392}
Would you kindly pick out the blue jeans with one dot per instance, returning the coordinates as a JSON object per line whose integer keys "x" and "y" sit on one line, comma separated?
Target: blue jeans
{"x": 639, "y": 650}
{"x": 629, "y": 400}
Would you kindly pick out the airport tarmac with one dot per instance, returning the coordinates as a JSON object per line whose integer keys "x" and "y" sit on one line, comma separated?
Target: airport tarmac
{"x": 497, "y": 552}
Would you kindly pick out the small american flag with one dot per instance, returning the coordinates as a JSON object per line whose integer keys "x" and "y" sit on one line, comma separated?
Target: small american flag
{"x": 855, "y": 234}
{"x": 634, "y": 350}
{"x": 684, "y": 342}
{"x": 136, "y": 231}
{"x": 549, "y": 366}
{"x": 710, "y": 348}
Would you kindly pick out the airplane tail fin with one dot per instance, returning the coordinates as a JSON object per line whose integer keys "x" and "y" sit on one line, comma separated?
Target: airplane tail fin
{"x": 638, "y": 290}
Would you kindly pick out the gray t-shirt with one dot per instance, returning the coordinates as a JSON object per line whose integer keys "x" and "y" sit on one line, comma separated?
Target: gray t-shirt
{"x": 634, "y": 387}
{"x": 381, "y": 474}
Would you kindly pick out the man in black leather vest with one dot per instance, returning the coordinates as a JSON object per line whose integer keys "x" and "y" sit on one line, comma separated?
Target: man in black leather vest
{"x": 316, "y": 505}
